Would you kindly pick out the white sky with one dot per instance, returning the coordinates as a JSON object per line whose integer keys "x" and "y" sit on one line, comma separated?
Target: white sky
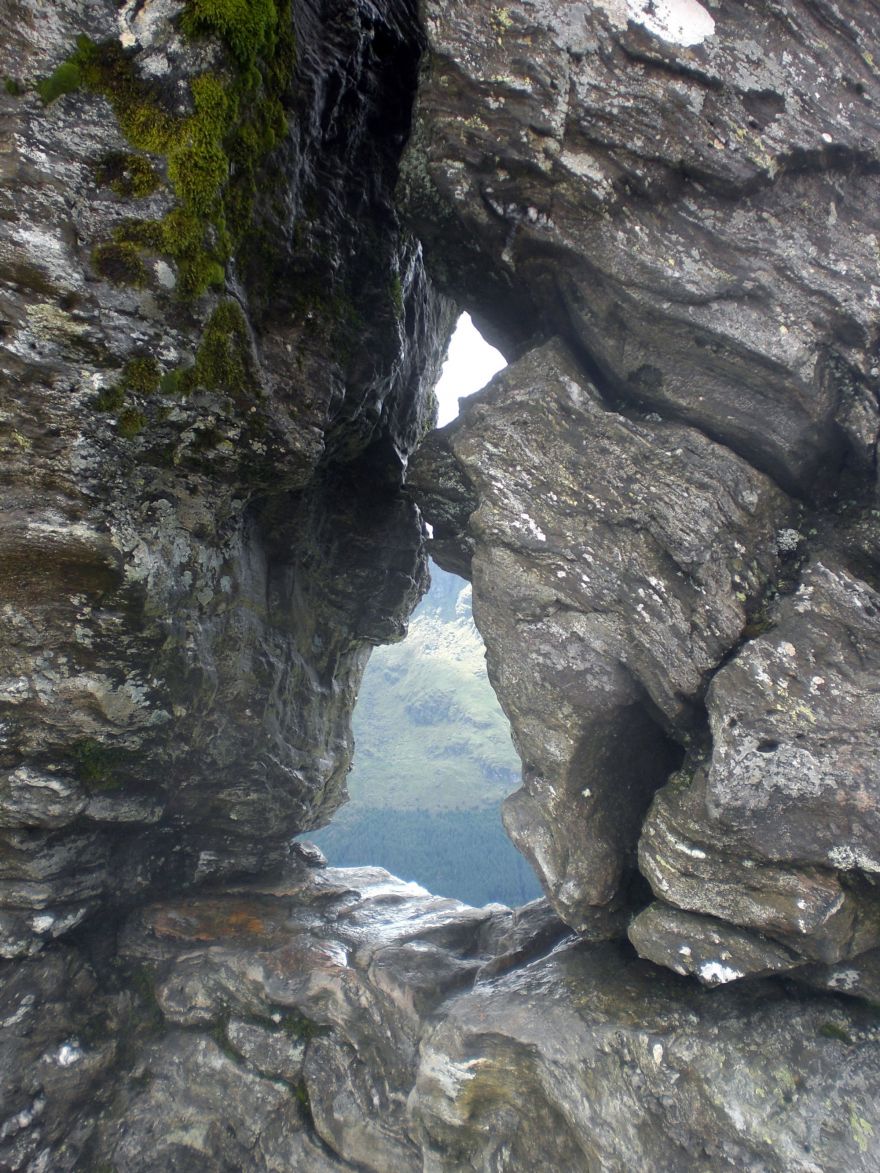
{"x": 470, "y": 365}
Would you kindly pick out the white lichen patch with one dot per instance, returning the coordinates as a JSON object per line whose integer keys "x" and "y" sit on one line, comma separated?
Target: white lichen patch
{"x": 717, "y": 973}
{"x": 69, "y": 1053}
{"x": 681, "y": 22}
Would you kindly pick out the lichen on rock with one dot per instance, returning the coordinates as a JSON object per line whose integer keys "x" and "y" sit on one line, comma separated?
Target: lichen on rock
{"x": 232, "y": 251}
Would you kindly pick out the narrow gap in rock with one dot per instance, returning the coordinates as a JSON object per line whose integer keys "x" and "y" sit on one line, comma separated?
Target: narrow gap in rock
{"x": 433, "y": 760}
{"x": 434, "y": 756}
{"x": 470, "y": 364}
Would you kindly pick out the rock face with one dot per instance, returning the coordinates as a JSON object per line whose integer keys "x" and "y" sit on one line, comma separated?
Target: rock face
{"x": 200, "y": 536}
{"x": 668, "y": 510}
{"x": 218, "y": 342}
{"x": 609, "y": 580}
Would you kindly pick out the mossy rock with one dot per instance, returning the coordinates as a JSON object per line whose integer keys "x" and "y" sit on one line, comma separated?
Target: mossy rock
{"x": 247, "y": 26}
{"x": 96, "y": 764}
{"x": 213, "y": 155}
{"x": 131, "y": 423}
{"x": 129, "y": 176}
{"x": 224, "y": 362}
{"x": 120, "y": 263}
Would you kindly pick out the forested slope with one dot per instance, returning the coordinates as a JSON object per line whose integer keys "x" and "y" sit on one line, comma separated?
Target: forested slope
{"x": 433, "y": 761}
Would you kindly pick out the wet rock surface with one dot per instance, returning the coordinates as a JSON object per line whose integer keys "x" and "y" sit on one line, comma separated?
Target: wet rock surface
{"x": 218, "y": 344}
{"x": 342, "y": 1019}
{"x": 200, "y": 537}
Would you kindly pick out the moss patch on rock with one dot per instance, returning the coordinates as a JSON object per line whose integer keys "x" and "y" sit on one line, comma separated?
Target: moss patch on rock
{"x": 120, "y": 263}
{"x": 130, "y": 176}
{"x": 212, "y": 155}
{"x": 247, "y": 26}
{"x": 224, "y": 362}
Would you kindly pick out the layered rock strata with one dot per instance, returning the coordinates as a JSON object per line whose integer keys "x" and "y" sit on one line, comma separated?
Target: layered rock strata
{"x": 217, "y": 349}
{"x": 669, "y": 509}
{"x": 216, "y": 357}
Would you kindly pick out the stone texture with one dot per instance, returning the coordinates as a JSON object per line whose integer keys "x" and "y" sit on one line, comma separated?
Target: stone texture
{"x": 610, "y": 577}
{"x": 591, "y": 1060}
{"x": 191, "y": 583}
{"x": 668, "y": 509}
{"x": 317, "y": 1026}
{"x": 775, "y": 832}
{"x": 699, "y": 220}
{"x": 342, "y": 1019}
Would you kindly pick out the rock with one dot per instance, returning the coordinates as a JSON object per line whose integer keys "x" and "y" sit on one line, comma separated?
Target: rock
{"x": 217, "y": 342}
{"x": 196, "y": 1107}
{"x": 610, "y": 577}
{"x": 859, "y": 976}
{"x": 270, "y": 994}
{"x": 695, "y": 218}
{"x": 56, "y": 1051}
{"x": 794, "y": 720}
{"x": 201, "y": 537}
{"x": 774, "y": 833}
{"x": 589, "y": 1059}
{"x": 712, "y": 950}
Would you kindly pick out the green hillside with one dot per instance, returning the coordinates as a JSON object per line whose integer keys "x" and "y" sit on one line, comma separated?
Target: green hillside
{"x": 429, "y": 732}
{"x": 433, "y": 761}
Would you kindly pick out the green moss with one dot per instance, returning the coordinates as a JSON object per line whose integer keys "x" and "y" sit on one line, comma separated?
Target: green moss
{"x": 247, "y": 26}
{"x": 170, "y": 383}
{"x": 111, "y": 398}
{"x": 120, "y": 263}
{"x": 130, "y": 176}
{"x": 143, "y": 985}
{"x": 131, "y": 422}
{"x": 297, "y": 1026}
{"x": 213, "y": 155}
{"x": 197, "y": 162}
{"x": 66, "y": 78}
{"x": 302, "y": 1094}
{"x": 223, "y": 361}
{"x": 12, "y": 87}
{"x": 397, "y": 295}
{"x": 833, "y": 1030}
{"x": 95, "y": 764}
{"x": 141, "y": 375}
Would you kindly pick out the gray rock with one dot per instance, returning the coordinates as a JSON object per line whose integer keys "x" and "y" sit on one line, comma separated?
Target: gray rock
{"x": 192, "y": 581}
{"x": 795, "y": 718}
{"x": 775, "y": 832}
{"x": 712, "y": 950}
{"x": 610, "y": 577}
{"x": 696, "y": 218}
{"x": 590, "y": 1060}
{"x": 322, "y": 981}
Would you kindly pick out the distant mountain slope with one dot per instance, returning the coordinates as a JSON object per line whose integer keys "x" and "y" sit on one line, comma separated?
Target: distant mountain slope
{"x": 433, "y": 761}
{"x": 429, "y": 732}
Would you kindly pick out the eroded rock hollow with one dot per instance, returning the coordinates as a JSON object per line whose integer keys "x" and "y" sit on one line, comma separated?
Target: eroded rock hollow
{"x": 233, "y": 241}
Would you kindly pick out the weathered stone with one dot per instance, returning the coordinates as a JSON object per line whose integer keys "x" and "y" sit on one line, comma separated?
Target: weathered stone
{"x": 200, "y": 537}
{"x": 591, "y": 1060}
{"x": 335, "y": 1013}
{"x": 796, "y": 729}
{"x": 693, "y": 863}
{"x": 712, "y": 950}
{"x": 776, "y": 832}
{"x": 56, "y": 1049}
{"x": 197, "y": 1108}
{"x": 203, "y": 437}
{"x": 697, "y": 214}
{"x": 611, "y": 575}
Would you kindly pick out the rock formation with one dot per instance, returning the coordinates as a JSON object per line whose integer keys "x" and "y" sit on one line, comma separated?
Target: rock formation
{"x": 233, "y": 240}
